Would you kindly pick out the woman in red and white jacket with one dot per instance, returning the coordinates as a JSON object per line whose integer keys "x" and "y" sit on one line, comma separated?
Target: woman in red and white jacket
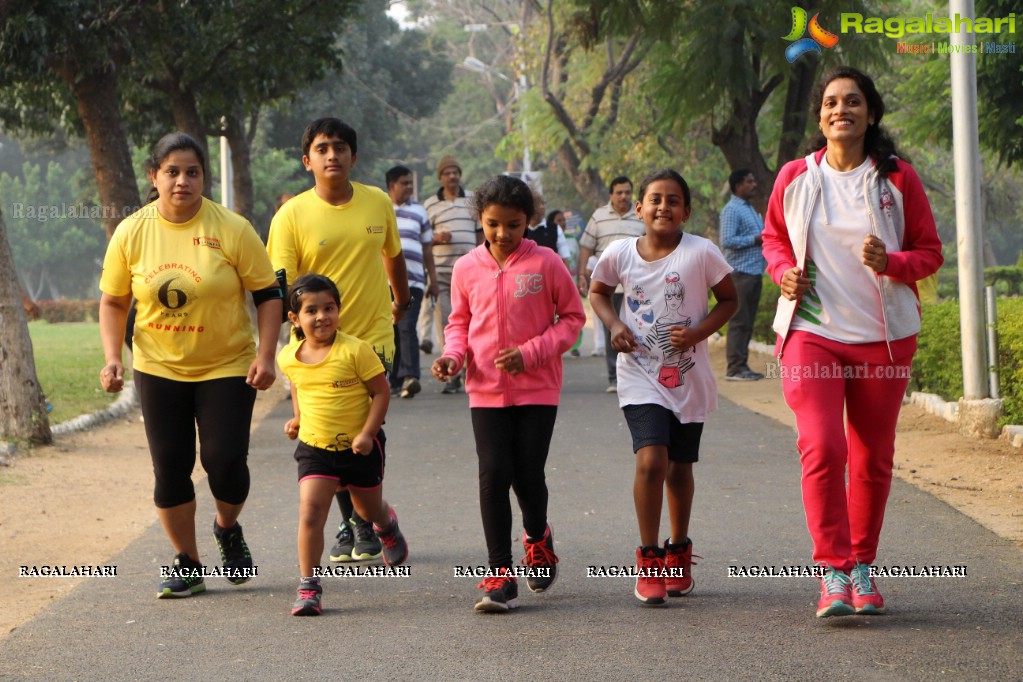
{"x": 848, "y": 233}
{"x": 514, "y": 311}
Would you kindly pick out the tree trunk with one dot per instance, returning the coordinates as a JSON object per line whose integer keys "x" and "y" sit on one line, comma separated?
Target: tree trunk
{"x": 187, "y": 120}
{"x": 241, "y": 162}
{"x": 587, "y": 182}
{"x": 740, "y": 145}
{"x": 22, "y": 406}
{"x": 99, "y": 107}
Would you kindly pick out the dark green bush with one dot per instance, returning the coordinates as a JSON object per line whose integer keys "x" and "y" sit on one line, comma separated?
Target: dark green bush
{"x": 938, "y": 365}
{"x": 68, "y": 311}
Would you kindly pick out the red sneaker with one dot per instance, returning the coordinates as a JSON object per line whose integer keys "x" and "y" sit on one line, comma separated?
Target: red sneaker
{"x": 865, "y": 597}
{"x": 650, "y": 582}
{"x": 678, "y": 559}
{"x": 836, "y": 594}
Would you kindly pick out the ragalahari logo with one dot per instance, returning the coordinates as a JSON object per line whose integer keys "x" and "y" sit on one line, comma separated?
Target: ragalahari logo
{"x": 819, "y": 37}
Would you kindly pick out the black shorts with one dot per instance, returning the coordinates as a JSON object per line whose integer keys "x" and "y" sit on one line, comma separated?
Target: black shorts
{"x": 657, "y": 425}
{"x": 343, "y": 466}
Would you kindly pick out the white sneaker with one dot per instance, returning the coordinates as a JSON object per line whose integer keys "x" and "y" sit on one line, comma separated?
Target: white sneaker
{"x": 611, "y": 388}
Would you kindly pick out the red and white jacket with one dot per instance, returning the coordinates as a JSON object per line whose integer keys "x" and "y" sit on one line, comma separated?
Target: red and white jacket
{"x": 899, "y": 215}
{"x": 531, "y": 304}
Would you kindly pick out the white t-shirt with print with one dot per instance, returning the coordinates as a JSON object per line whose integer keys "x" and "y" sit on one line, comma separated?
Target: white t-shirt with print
{"x": 843, "y": 302}
{"x": 661, "y": 294}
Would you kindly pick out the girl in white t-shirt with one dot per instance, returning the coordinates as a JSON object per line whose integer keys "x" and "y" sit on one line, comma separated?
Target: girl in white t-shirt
{"x": 665, "y": 383}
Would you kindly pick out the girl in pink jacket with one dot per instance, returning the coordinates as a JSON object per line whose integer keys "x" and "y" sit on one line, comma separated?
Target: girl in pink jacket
{"x": 514, "y": 311}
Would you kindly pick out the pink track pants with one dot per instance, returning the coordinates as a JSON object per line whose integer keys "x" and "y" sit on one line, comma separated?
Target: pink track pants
{"x": 820, "y": 379}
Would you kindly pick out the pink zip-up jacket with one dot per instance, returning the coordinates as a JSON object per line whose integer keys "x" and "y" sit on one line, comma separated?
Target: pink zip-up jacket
{"x": 899, "y": 215}
{"x": 514, "y": 307}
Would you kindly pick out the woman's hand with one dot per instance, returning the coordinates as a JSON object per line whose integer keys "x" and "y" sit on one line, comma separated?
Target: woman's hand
{"x": 291, "y": 428}
{"x": 793, "y": 284}
{"x": 875, "y": 255}
{"x": 112, "y": 377}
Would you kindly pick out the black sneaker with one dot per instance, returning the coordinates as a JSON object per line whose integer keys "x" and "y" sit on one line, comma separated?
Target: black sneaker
{"x": 367, "y": 544}
{"x": 500, "y": 593}
{"x": 185, "y": 580}
{"x": 541, "y": 559}
{"x": 345, "y": 545}
{"x": 395, "y": 548}
{"x": 234, "y": 553}
{"x": 453, "y": 386}
{"x": 307, "y": 602}
{"x": 410, "y": 387}
{"x": 426, "y": 345}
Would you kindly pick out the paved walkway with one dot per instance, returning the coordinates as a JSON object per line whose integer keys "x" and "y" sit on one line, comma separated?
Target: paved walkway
{"x": 747, "y": 513}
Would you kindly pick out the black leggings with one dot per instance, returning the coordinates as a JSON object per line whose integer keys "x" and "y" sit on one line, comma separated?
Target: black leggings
{"x": 222, "y": 409}
{"x": 512, "y": 445}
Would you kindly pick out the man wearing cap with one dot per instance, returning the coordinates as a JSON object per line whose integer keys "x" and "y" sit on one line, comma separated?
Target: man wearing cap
{"x": 456, "y": 232}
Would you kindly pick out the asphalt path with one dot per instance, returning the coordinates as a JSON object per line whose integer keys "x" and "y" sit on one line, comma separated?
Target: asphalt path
{"x": 747, "y": 513}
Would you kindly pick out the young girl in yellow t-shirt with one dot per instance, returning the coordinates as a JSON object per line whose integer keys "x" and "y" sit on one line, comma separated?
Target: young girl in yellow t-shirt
{"x": 339, "y": 394}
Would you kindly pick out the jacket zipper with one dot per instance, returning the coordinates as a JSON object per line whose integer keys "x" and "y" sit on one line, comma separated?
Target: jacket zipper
{"x": 806, "y": 239}
{"x": 877, "y": 276}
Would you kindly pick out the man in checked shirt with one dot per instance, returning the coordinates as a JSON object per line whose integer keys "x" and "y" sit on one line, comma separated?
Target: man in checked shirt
{"x": 741, "y": 227}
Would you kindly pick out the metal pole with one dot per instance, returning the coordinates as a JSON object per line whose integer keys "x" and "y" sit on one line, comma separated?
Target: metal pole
{"x": 967, "y": 198}
{"x": 992, "y": 341}
{"x": 226, "y": 175}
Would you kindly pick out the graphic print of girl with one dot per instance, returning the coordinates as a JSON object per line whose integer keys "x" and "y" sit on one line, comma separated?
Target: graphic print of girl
{"x": 676, "y": 362}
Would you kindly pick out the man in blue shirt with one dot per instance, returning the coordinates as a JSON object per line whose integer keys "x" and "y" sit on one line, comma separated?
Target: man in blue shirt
{"x": 741, "y": 228}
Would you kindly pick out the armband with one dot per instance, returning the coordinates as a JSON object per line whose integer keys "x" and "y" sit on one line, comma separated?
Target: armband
{"x": 275, "y": 291}
{"x": 269, "y": 294}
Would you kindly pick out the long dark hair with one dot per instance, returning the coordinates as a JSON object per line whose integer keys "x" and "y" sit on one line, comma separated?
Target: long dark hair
{"x": 172, "y": 142}
{"x": 877, "y": 143}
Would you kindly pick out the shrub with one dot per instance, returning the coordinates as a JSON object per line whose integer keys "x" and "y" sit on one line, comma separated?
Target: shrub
{"x": 68, "y": 311}
{"x": 938, "y": 364}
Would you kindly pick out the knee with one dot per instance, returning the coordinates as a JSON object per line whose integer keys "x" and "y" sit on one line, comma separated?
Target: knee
{"x": 651, "y": 470}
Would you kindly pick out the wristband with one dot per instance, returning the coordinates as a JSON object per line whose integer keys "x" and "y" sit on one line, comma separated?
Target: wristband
{"x": 403, "y": 307}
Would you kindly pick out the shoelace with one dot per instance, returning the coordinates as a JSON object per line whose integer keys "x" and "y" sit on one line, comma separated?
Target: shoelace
{"x": 538, "y": 554}
{"x": 651, "y": 564}
{"x": 364, "y": 531}
{"x": 494, "y": 582}
{"x": 307, "y": 594}
{"x": 389, "y": 537}
{"x": 860, "y": 578}
{"x": 836, "y": 582}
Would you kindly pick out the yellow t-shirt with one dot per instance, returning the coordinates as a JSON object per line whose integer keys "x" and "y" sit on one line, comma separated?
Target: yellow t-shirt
{"x": 190, "y": 279}
{"x": 344, "y": 243}
{"x": 333, "y": 400}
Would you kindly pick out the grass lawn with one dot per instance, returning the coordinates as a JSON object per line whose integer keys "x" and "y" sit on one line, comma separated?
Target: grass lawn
{"x": 68, "y": 358}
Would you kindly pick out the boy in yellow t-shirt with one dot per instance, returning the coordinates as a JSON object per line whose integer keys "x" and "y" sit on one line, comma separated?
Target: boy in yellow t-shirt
{"x": 347, "y": 232}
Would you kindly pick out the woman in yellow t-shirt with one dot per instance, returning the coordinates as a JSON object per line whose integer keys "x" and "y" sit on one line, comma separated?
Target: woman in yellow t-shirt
{"x": 188, "y": 261}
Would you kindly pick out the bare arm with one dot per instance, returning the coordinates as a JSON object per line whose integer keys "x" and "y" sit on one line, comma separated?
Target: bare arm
{"x": 431, "y": 271}
{"x": 262, "y": 373}
{"x": 580, "y": 275}
{"x": 622, "y": 339}
{"x": 113, "y": 320}
{"x": 397, "y": 276}
{"x": 380, "y": 391}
